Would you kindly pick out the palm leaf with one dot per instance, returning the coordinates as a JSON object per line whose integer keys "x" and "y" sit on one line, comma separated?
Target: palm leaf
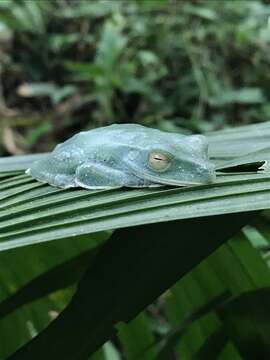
{"x": 59, "y": 277}
{"x": 64, "y": 214}
{"x": 26, "y": 266}
{"x": 174, "y": 336}
{"x": 235, "y": 142}
{"x": 134, "y": 267}
{"x": 236, "y": 267}
{"x": 250, "y": 311}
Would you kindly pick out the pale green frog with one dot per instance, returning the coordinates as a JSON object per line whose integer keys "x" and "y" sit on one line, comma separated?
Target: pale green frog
{"x": 126, "y": 155}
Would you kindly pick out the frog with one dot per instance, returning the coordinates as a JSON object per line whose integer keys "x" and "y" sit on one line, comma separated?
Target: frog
{"x": 126, "y": 155}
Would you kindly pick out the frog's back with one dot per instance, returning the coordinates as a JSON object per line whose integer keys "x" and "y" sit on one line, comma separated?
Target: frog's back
{"x": 115, "y": 135}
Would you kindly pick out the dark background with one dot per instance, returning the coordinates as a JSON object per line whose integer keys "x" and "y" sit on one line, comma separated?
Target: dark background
{"x": 188, "y": 66}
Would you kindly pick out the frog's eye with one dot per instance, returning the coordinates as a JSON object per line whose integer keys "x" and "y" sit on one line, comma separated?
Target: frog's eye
{"x": 159, "y": 161}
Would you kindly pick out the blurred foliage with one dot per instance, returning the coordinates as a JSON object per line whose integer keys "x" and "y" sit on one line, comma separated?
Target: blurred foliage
{"x": 72, "y": 65}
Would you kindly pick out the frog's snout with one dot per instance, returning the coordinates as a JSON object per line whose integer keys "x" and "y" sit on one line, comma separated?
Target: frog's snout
{"x": 206, "y": 173}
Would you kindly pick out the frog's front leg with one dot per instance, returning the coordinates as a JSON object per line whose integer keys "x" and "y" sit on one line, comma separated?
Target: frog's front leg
{"x": 93, "y": 175}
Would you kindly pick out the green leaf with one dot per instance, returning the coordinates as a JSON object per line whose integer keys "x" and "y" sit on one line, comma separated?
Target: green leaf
{"x": 175, "y": 335}
{"x": 240, "y": 141}
{"x": 236, "y": 267}
{"x": 60, "y": 42}
{"x": 197, "y": 289}
{"x": 84, "y": 71}
{"x": 240, "y": 266}
{"x": 247, "y": 321}
{"x": 34, "y": 134}
{"x": 86, "y": 9}
{"x": 25, "y": 16}
{"x": 63, "y": 214}
{"x": 202, "y": 12}
{"x": 17, "y": 163}
{"x": 58, "y": 277}
{"x": 256, "y": 160}
{"x": 213, "y": 346}
{"x": 130, "y": 261}
{"x": 111, "y": 45}
{"x": 19, "y": 268}
{"x": 137, "y": 336}
{"x": 107, "y": 352}
{"x": 241, "y": 96}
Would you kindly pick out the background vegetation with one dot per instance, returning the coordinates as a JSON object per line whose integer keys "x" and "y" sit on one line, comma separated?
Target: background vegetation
{"x": 178, "y": 65}
{"x": 187, "y": 66}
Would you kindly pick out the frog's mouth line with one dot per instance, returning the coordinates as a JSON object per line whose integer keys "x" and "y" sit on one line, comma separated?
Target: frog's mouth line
{"x": 165, "y": 181}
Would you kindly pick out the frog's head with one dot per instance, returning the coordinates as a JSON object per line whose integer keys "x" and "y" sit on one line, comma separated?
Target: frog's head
{"x": 177, "y": 161}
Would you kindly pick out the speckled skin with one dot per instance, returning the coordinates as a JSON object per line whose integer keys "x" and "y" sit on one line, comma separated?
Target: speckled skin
{"x": 117, "y": 156}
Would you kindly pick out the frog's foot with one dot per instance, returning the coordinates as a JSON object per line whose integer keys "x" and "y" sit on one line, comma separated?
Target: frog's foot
{"x": 42, "y": 172}
{"x": 92, "y": 175}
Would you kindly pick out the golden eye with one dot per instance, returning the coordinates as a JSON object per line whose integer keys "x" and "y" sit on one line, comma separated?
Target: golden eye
{"x": 159, "y": 161}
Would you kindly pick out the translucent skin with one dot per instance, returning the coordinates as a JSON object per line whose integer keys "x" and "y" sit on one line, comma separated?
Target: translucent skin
{"x": 118, "y": 155}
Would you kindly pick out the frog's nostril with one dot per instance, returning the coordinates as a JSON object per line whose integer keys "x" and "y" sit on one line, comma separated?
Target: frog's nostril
{"x": 208, "y": 166}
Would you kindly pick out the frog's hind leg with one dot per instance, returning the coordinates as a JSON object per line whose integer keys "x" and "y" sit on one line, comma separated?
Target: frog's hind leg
{"x": 92, "y": 175}
{"x": 48, "y": 171}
